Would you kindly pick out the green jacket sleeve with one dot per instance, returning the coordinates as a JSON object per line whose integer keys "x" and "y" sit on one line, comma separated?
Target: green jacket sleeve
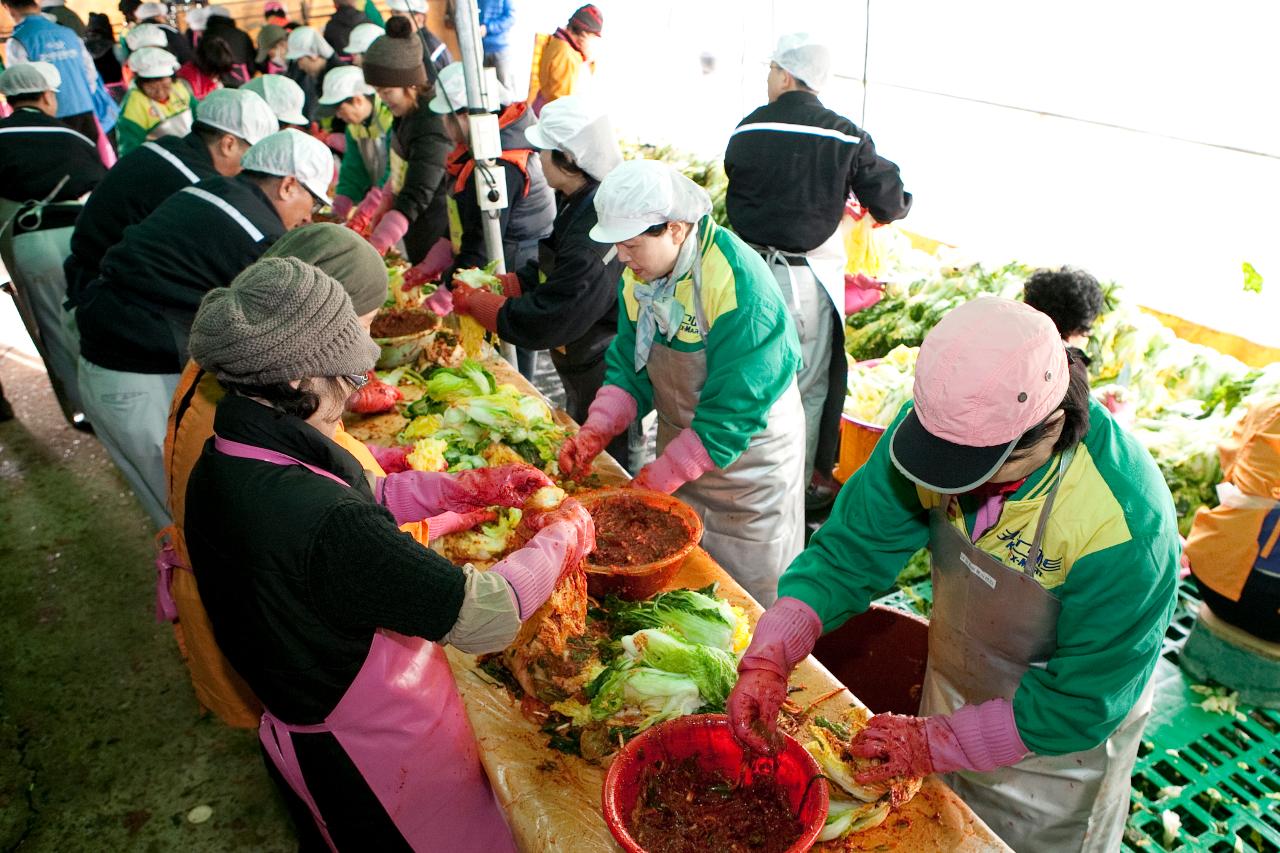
{"x": 620, "y": 361}
{"x": 1116, "y": 606}
{"x": 353, "y": 177}
{"x": 129, "y": 135}
{"x": 876, "y": 525}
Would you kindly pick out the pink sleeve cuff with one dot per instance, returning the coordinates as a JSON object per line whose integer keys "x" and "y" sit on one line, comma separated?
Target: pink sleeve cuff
{"x": 784, "y": 636}
{"x": 611, "y": 411}
{"x": 414, "y": 495}
{"x": 342, "y": 206}
{"x": 533, "y": 570}
{"x": 390, "y": 229}
{"x": 975, "y": 737}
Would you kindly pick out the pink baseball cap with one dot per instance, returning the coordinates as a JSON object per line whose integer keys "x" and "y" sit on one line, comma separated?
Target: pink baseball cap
{"x": 988, "y": 372}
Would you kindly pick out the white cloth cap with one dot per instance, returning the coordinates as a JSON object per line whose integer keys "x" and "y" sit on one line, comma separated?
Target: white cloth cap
{"x": 639, "y": 194}
{"x": 342, "y": 83}
{"x": 198, "y": 18}
{"x": 290, "y": 154}
{"x": 284, "y": 96}
{"x": 145, "y": 35}
{"x": 304, "y": 41}
{"x": 240, "y": 113}
{"x": 805, "y": 58}
{"x": 150, "y": 63}
{"x": 362, "y": 35}
{"x": 574, "y": 125}
{"x": 30, "y": 78}
{"x": 451, "y": 91}
{"x": 150, "y": 10}
{"x": 417, "y": 7}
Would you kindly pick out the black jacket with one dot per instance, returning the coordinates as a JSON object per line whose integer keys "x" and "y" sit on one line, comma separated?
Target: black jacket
{"x": 238, "y": 40}
{"x": 576, "y": 305}
{"x": 136, "y": 315}
{"x": 37, "y": 150}
{"x": 531, "y": 204}
{"x": 787, "y": 189}
{"x": 420, "y": 140}
{"x": 435, "y": 54}
{"x": 338, "y": 31}
{"x": 132, "y": 189}
{"x": 312, "y": 87}
{"x": 177, "y": 43}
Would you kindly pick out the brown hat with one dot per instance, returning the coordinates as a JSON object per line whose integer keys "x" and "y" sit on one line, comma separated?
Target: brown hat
{"x": 588, "y": 20}
{"x": 396, "y": 58}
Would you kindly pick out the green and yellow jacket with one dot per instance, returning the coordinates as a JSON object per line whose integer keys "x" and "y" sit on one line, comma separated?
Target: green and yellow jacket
{"x": 139, "y": 114}
{"x": 366, "y": 163}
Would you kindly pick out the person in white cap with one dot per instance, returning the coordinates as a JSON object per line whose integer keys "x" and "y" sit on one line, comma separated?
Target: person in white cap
{"x": 158, "y": 14}
{"x": 45, "y": 170}
{"x": 565, "y": 300}
{"x": 367, "y": 156}
{"x": 361, "y": 38}
{"x": 144, "y": 35}
{"x": 1055, "y": 555}
{"x": 705, "y": 339}
{"x": 435, "y": 54}
{"x": 156, "y": 104}
{"x": 309, "y": 57}
{"x": 792, "y": 165}
{"x": 135, "y": 316}
{"x": 284, "y": 96}
{"x": 230, "y": 121}
{"x": 347, "y": 15}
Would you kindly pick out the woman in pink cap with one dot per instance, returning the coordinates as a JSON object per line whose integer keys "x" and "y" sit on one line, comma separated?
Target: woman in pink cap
{"x": 1055, "y": 553}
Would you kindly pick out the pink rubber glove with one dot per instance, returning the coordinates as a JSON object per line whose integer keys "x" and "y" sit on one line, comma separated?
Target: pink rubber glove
{"x": 558, "y": 548}
{"x": 430, "y": 268}
{"x": 973, "y": 737}
{"x": 392, "y": 460}
{"x": 611, "y": 412}
{"x": 451, "y": 522}
{"x": 336, "y": 142}
{"x": 684, "y": 459}
{"x": 415, "y": 495}
{"x": 389, "y": 231}
{"x": 441, "y": 302}
{"x": 342, "y": 207}
{"x": 362, "y": 220}
{"x": 505, "y": 485}
{"x": 784, "y": 636}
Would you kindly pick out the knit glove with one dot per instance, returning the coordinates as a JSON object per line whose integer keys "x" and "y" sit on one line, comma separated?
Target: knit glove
{"x": 481, "y": 305}
{"x": 784, "y": 636}
{"x": 684, "y": 459}
{"x": 389, "y": 231}
{"x": 973, "y": 737}
{"x": 611, "y": 412}
{"x": 342, "y": 207}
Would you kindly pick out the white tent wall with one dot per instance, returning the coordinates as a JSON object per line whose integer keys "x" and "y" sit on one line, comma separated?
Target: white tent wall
{"x": 1139, "y": 140}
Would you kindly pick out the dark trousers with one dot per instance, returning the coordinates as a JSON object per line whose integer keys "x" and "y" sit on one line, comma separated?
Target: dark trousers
{"x": 1257, "y": 611}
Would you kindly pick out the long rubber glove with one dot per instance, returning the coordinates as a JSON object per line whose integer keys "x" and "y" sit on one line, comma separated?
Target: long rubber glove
{"x": 362, "y": 219}
{"x": 342, "y": 207}
{"x": 558, "y": 548}
{"x": 415, "y": 495}
{"x": 684, "y": 459}
{"x": 392, "y": 460}
{"x": 611, "y": 412}
{"x": 439, "y": 258}
{"x": 389, "y": 231}
{"x": 452, "y": 522}
{"x": 784, "y": 636}
{"x": 973, "y": 737}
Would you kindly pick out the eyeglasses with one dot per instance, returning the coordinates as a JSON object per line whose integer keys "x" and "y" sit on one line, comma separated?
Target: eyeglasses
{"x": 359, "y": 380}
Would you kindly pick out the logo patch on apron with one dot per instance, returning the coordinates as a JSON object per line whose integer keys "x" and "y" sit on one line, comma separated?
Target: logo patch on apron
{"x": 981, "y": 574}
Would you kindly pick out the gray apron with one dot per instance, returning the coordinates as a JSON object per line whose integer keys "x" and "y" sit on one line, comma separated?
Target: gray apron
{"x": 990, "y": 624}
{"x": 753, "y": 510}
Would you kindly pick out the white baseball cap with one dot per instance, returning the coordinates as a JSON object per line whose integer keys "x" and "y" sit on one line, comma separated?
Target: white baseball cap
{"x": 238, "y": 112}
{"x": 150, "y": 63}
{"x": 639, "y": 194}
{"x": 150, "y": 10}
{"x": 362, "y": 35}
{"x": 574, "y": 125}
{"x": 30, "y": 78}
{"x": 417, "y": 7}
{"x": 284, "y": 96}
{"x": 451, "y": 91}
{"x": 289, "y": 154}
{"x": 145, "y": 35}
{"x": 805, "y": 58}
{"x": 304, "y": 41}
{"x": 342, "y": 83}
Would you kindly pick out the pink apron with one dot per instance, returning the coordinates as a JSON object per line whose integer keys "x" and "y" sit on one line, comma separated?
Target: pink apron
{"x": 403, "y": 725}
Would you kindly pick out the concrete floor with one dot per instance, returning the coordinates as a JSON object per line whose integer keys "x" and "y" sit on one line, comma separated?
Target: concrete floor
{"x": 101, "y": 743}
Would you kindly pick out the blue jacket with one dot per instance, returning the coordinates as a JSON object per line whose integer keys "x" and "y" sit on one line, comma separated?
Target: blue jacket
{"x": 45, "y": 41}
{"x": 497, "y": 16}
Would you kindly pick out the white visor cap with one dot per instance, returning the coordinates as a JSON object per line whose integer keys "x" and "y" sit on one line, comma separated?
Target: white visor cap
{"x": 238, "y": 112}
{"x": 290, "y": 154}
{"x": 576, "y": 126}
{"x": 805, "y": 58}
{"x": 639, "y": 194}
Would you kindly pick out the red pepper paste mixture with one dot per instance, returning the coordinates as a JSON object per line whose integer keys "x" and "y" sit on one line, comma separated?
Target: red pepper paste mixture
{"x": 629, "y": 532}
{"x": 685, "y": 809}
{"x": 394, "y": 322}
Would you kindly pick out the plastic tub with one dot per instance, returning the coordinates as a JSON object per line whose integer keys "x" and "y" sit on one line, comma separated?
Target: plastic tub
{"x": 635, "y": 583}
{"x": 857, "y": 440}
{"x": 707, "y": 736}
{"x": 880, "y": 655}
{"x": 405, "y": 349}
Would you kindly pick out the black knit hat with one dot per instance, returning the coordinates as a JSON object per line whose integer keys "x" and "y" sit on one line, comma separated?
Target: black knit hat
{"x": 396, "y": 58}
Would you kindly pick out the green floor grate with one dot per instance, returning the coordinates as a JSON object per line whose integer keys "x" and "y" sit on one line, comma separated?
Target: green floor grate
{"x": 1204, "y": 781}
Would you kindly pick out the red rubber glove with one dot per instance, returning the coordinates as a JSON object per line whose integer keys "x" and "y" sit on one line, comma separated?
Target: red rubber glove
{"x": 753, "y": 708}
{"x": 452, "y": 522}
{"x": 375, "y": 397}
{"x": 362, "y": 220}
{"x": 342, "y": 207}
{"x": 336, "y": 142}
{"x": 441, "y": 302}
{"x": 610, "y": 413}
{"x": 505, "y": 485}
{"x": 392, "y": 460}
{"x": 389, "y": 231}
{"x": 973, "y": 737}
{"x": 430, "y": 268}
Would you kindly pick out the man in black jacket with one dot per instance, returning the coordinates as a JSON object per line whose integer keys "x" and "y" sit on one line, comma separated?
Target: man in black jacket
{"x": 792, "y": 165}
{"x": 230, "y": 121}
{"x": 346, "y": 17}
{"x": 135, "y": 317}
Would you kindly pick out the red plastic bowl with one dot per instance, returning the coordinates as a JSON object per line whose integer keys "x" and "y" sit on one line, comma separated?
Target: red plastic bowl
{"x": 708, "y": 737}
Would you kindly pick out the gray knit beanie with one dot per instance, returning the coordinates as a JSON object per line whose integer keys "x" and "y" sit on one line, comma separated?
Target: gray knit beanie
{"x": 281, "y": 319}
{"x": 396, "y": 58}
{"x": 343, "y": 254}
